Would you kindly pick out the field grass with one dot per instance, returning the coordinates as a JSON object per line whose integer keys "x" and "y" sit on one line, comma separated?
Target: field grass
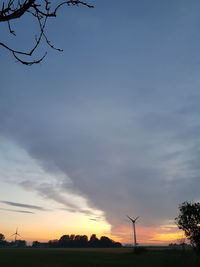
{"x": 96, "y": 258}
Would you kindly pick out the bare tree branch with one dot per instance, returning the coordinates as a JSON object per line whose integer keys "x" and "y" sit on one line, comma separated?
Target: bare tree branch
{"x": 40, "y": 10}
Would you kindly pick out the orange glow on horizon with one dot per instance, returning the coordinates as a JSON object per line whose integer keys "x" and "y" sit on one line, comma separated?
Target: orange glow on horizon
{"x": 145, "y": 235}
{"x": 164, "y": 234}
{"x": 52, "y": 225}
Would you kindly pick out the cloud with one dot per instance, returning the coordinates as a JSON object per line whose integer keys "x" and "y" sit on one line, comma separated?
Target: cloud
{"x": 56, "y": 191}
{"x": 75, "y": 210}
{"x": 15, "y": 204}
{"x": 19, "y": 211}
{"x": 96, "y": 219}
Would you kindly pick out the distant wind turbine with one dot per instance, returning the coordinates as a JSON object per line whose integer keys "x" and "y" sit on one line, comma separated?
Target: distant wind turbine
{"x": 16, "y": 234}
{"x": 134, "y": 229}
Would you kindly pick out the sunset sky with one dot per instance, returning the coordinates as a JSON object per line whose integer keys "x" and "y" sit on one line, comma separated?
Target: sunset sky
{"x": 109, "y": 127}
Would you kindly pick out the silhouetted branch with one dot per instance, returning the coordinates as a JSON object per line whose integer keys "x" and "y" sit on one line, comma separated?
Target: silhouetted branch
{"x": 40, "y": 10}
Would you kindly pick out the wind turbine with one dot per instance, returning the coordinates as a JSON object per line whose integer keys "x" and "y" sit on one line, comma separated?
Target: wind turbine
{"x": 16, "y": 234}
{"x": 134, "y": 229}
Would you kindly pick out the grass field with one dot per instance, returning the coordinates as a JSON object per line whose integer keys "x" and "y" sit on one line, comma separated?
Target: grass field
{"x": 96, "y": 258}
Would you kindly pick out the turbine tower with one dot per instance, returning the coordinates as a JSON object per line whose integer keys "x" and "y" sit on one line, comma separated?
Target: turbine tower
{"x": 134, "y": 229}
{"x": 16, "y": 234}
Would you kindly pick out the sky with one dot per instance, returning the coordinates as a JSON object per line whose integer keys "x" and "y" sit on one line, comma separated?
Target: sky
{"x": 107, "y": 128}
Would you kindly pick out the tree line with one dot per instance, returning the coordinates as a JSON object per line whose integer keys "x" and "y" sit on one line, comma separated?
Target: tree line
{"x": 6, "y": 244}
{"x": 66, "y": 241}
{"x": 79, "y": 241}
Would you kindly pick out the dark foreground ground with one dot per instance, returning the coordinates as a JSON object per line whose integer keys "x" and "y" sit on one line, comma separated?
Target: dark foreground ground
{"x": 96, "y": 258}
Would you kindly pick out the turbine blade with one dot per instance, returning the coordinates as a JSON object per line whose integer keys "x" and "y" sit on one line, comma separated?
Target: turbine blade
{"x": 130, "y": 219}
{"x": 12, "y": 235}
{"x": 137, "y": 218}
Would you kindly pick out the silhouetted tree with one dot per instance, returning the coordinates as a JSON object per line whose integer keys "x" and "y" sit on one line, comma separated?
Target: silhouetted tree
{"x": 77, "y": 241}
{"x": 73, "y": 241}
{"x": 105, "y": 242}
{"x": 40, "y": 11}
{"x": 3, "y": 242}
{"x": 64, "y": 238}
{"x": 83, "y": 241}
{"x": 72, "y": 237}
{"x": 52, "y": 244}
{"x": 36, "y": 244}
{"x": 64, "y": 241}
{"x": 189, "y": 221}
{"x": 2, "y": 237}
{"x": 94, "y": 241}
